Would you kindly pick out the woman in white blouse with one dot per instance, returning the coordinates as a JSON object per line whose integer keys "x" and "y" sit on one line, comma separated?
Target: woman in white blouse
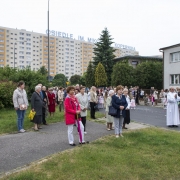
{"x": 127, "y": 118}
{"x": 82, "y": 98}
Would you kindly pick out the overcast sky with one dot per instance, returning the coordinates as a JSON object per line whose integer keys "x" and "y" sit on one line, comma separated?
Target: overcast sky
{"x": 146, "y": 25}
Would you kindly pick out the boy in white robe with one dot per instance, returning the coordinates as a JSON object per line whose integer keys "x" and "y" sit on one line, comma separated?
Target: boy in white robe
{"x": 172, "y": 118}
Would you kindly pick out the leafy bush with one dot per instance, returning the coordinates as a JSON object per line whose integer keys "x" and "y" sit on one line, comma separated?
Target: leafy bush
{"x": 6, "y": 92}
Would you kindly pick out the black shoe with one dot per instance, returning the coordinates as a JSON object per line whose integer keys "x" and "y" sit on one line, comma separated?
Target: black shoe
{"x": 72, "y": 144}
{"x": 45, "y": 124}
{"x": 175, "y": 126}
{"x": 74, "y": 124}
{"x": 170, "y": 126}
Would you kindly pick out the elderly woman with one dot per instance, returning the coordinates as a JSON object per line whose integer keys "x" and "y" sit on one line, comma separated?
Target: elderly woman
{"x": 119, "y": 102}
{"x": 72, "y": 110}
{"x": 109, "y": 119}
{"x": 37, "y": 106}
{"x": 82, "y": 98}
{"x": 127, "y": 118}
{"x": 20, "y": 102}
{"x": 93, "y": 101}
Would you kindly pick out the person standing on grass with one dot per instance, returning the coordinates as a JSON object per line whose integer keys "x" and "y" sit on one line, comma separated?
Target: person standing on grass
{"x": 20, "y": 102}
{"x": 119, "y": 102}
{"x": 93, "y": 101}
{"x": 37, "y": 104}
{"x": 60, "y": 99}
{"x": 82, "y": 98}
{"x": 72, "y": 109}
{"x": 127, "y": 118}
{"x": 109, "y": 118}
{"x": 172, "y": 117}
{"x": 44, "y": 109}
{"x": 51, "y": 101}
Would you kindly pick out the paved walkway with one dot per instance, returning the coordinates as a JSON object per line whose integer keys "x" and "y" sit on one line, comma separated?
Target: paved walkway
{"x": 17, "y": 150}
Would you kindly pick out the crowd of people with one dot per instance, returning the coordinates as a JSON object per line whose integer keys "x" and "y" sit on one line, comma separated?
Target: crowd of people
{"x": 74, "y": 101}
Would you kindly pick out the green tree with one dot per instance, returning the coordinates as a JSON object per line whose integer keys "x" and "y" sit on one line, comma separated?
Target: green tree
{"x": 149, "y": 74}
{"x": 100, "y": 76}
{"x": 75, "y": 79}
{"x": 83, "y": 79}
{"x": 89, "y": 78}
{"x": 43, "y": 71}
{"x": 104, "y": 53}
{"x": 123, "y": 74}
{"x": 59, "y": 80}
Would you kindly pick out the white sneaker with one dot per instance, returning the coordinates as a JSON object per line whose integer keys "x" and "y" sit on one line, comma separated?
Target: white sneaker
{"x": 117, "y": 136}
{"x": 24, "y": 130}
{"x": 21, "y": 131}
{"x": 85, "y": 132}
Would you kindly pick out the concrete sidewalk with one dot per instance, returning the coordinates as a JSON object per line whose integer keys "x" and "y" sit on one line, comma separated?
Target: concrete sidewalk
{"x": 18, "y": 150}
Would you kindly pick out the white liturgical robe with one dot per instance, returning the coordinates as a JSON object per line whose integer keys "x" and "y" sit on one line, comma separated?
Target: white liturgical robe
{"x": 172, "y": 117}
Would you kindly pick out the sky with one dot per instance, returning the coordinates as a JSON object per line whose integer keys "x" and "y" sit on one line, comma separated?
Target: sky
{"x": 147, "y": 25}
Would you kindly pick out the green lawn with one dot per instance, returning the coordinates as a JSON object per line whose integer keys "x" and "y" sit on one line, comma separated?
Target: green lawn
{"x": 141, "y": 155}
{"x": 8, "y": 120}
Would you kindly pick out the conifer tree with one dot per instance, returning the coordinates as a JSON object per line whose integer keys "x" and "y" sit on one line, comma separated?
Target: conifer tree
{"x": 89, "y": 78}
{"x": 103, "y": 52}
{"x": 100, "y": 76}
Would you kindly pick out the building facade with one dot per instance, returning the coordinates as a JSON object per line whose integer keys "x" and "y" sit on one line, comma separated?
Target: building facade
{"x": 21, "y": 49}
{"x": 171, "y": 61}
{"x": 135, "y": 60}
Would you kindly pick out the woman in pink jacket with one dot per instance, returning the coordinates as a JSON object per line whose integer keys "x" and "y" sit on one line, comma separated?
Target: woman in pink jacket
{"x": 72, "y": 110}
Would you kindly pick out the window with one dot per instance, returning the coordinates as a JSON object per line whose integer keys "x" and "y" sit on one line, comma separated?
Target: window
{"x": 1, "y": 30}
{"x": 175, "y": 79}
{"x": 175, "y": 57}
{"x": 21, "y": 38}
{"x": 21, "y": 57}
{"x": 21, "y": 52}
{"x": 21, "y": 33}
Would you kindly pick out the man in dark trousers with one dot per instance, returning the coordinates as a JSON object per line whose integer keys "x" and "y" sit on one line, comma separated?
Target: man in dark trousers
{"x": 138, "y": 95}
{"x": 44, "y": 97}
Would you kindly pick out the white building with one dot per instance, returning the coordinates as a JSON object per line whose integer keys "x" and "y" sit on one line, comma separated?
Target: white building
{"x": 171, "y": 61}
{"x": 21, "y": 48}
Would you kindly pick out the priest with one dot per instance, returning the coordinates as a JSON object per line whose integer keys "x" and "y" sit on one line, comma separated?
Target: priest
{"x": 172, "y": 117}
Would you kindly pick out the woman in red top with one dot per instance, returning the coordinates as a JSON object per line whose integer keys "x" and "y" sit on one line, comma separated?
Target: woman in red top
{"x": 51, "y": 101}
{"x": 72, "y": 110}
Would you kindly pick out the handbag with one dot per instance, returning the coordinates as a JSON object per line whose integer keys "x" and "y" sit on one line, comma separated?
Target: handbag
{"x": 112, "y": 111}
{"x": 31, "y": 115}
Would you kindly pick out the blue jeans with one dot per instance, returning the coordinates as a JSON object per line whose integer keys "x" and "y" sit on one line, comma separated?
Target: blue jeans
{"x": 118, "y": 123}
{"x": 20, "y": 118}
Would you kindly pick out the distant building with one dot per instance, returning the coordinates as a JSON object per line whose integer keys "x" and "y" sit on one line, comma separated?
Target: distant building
{"x": 20, "y": 48}
{"x": 135, "y": 60}
{"x": 171, "y": 61}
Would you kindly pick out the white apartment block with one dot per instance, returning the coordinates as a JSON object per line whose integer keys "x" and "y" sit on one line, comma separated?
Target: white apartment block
{"x": 21, "y": 48}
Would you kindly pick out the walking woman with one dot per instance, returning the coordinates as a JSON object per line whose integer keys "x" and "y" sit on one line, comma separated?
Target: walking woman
{"x": 127, "y": 118}
{"x": 119, "y": 102}
{"x": 51, "y": 101}
{"x": 109, "y": 119}
{"x": 82, "y": 98}
{"x": 93, "y": 101}
{"x": 20, "y": 102}
{"x": 37, "y": 104}
{"x": 72, "y": 109}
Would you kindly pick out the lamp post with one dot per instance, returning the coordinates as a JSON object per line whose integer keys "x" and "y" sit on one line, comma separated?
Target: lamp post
{"x": 48, "y": 47}
{"x": 14, "y": 50}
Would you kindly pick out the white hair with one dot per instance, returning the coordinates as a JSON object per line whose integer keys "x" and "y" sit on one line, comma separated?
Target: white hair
{"x": 37, "y": 87}
{"x": 125, "y": 89}
{"x": 111, "y": 92}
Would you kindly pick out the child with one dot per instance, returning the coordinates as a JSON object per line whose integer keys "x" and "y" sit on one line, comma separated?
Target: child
{"x": 146, "y": 100}
{"x": 133, "y": 105}
{"x": 101, "y": 101}
{"x": 152, "y": 99}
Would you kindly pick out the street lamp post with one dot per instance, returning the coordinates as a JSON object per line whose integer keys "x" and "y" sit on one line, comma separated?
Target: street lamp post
{"x": 48, "y": 47}
{"x": 14, "y": 50}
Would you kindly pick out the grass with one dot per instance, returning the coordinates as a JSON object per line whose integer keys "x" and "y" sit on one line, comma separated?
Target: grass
{"x": 8, "y": 123}
{"x": 141, "y": 155}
